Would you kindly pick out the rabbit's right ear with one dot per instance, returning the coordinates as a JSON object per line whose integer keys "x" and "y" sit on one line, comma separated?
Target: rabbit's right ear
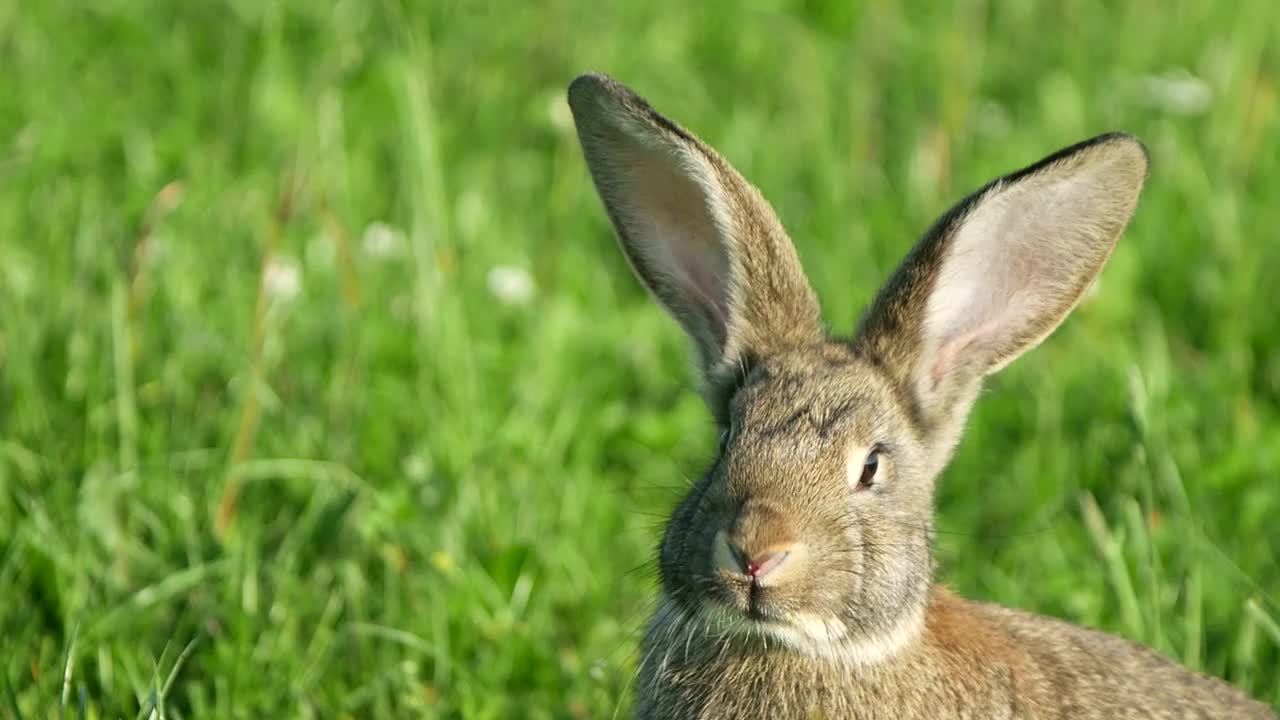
{"x": 999, "y": 272}
{"x": 697, "y": 234}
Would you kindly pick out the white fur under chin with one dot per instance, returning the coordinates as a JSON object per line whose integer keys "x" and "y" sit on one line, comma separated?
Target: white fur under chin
{"x": 816, "y": 636}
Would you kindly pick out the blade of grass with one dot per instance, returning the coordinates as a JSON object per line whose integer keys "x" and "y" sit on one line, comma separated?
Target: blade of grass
{"x": 1117, "y": 570}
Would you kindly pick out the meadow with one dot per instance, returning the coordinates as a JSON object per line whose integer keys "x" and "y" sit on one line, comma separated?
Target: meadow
{"x": 325, "y": 391}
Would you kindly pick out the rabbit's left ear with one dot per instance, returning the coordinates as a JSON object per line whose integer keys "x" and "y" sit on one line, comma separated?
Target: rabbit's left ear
{"x": 697, "y": 234}
{"x": 1002, "y": 269}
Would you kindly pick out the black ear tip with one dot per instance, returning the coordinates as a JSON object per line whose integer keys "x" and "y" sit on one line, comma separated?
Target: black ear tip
{"x": 594, "y": 85}
{"x": 588, "y": 82}
{"x": 598, "y": 101}
{"x": 583, "y": 88}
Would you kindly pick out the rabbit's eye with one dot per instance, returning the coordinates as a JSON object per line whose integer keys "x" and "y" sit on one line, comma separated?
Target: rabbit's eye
{"x": 869, "y": 468}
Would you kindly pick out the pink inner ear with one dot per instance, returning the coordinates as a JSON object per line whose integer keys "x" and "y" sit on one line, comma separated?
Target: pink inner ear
{"x": 673, "y": 234}
{"x": 993, "y": 306}
{"x": 1014, "y": 267}
{"x": 968, "y": 348}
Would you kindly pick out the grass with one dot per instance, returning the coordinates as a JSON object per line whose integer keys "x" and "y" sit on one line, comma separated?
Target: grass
{"x": 270, "y": 444}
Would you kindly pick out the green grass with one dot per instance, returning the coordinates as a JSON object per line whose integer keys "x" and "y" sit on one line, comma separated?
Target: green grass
{"x": 445, "y": 503}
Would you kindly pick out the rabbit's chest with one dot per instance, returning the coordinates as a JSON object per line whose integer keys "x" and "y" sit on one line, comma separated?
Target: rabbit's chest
{"x": 786, "y": 687}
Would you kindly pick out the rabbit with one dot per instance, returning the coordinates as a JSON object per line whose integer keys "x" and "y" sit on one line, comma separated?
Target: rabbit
{"x": 797, "y": 574}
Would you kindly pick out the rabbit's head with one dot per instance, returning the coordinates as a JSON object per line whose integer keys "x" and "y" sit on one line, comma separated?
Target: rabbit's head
{"x": 812, "y": 528}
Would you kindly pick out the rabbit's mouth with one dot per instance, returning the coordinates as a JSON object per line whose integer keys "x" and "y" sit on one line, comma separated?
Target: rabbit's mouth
{"x": 760, "y": 622}
{"x": 751, "y": 603}
{"x": 809, "y": 633}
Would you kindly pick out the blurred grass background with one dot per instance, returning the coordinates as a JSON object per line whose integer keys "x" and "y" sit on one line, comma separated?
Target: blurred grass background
{"x": 324, "y": 391}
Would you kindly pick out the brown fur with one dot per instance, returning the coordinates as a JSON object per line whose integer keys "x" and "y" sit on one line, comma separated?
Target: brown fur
{"x": 848, "y": 624}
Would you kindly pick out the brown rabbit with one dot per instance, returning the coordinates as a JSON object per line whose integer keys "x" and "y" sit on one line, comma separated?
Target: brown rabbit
{"x": 797, "y": 576}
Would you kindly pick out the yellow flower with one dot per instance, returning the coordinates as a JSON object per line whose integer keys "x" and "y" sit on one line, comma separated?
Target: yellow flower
{"x": 442, "y": 561}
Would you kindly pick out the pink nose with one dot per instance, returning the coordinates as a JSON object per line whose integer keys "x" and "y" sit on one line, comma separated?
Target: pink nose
{"x": 764, "y": 563}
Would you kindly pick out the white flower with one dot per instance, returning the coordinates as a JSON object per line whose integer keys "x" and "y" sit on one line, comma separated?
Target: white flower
{"x": 283, "y": 278}
{"x": 1177, "y": 92}
{"x": 383, "y": 240}
{"x": 510, "y": 284}
{"x": 415, "y": 467}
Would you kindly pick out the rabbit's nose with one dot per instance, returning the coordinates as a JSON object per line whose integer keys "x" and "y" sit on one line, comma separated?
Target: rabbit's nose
{"x": 764, "y": 563}
{"x": 764, "y": 566}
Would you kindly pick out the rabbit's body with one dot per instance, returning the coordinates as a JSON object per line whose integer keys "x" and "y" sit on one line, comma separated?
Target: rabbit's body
{"x": 968, "y": 660}
{"x": 797, "y": 574}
